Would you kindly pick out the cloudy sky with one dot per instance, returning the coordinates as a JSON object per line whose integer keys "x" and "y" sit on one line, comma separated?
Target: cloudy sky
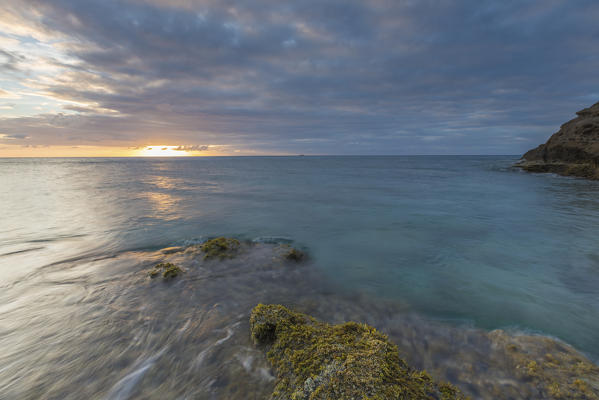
{"x": 221, "y": 77}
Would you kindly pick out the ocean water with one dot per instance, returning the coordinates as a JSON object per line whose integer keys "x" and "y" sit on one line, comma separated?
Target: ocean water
{"x": 467, "y": 242}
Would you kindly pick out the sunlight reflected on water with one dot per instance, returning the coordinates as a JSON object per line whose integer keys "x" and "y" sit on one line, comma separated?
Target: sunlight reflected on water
{"x": 435, "y": 235}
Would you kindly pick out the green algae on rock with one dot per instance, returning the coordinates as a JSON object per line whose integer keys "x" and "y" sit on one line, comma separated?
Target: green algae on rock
{"x": 561, "y": 373}
{"x": 294, "y": 255}
{"x": 168, "y": 270}
{"x": 221, "y": 248}
{"x": 315, "y": 360}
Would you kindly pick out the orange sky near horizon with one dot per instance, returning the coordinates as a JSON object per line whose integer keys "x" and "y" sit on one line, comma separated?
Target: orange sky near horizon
{"x": 105, "y": 151}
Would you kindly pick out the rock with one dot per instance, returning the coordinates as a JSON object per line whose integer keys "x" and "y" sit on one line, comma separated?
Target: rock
{"x": 221, "y": 248}
{"x": 573, "y": 150}
{"x": 294, "y": 255}
{"x": 315, "y": 360}
{"x": 168, "y": 270}
{"x": 561, "y": 373}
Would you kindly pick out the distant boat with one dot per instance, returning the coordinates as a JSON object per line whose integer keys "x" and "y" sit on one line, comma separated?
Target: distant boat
{"x": 301, "y": 155}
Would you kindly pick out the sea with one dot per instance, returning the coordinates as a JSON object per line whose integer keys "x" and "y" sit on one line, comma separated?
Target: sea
{"x": 428, "y": 249}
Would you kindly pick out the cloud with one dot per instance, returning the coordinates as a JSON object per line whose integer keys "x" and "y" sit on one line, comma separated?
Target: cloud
{"x": 5, "y": 94}
{"x": 13, "y": 137}
{"x": 10, "y": 61}
{"x": 192, "y": 148}
{"x": 303, "y": 77}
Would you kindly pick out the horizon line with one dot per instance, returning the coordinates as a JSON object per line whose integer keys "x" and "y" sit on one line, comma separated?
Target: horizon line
{"x": 279, "y": 155}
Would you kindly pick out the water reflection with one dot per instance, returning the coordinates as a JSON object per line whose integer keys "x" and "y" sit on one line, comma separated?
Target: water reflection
{"x": 463, "y": 239}
{"x": 163, "y": 206}
{"x": 165, "y": 182}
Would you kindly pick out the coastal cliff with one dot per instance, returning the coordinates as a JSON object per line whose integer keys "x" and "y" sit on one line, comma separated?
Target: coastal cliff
{"x": 573, "y": 150}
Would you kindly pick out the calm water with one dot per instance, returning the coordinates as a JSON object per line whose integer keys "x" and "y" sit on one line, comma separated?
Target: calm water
{"x": 465, "y": 240}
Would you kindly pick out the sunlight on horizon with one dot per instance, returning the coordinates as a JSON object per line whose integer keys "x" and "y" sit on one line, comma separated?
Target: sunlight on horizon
{"x": 161, "y": 151}
{"x": 11, "y": 150}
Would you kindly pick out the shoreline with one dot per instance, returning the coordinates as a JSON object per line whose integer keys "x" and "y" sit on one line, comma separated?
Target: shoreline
{"x": 482, "y": 363}
{"x": 585, "y": 170}
{"x": 571, "y": 151}
{"x": 189, "y": 335}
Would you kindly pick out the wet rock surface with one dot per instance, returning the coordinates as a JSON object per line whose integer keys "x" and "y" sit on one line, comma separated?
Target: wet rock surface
{"x": 481, "y": 364}
{"x": 167, "y": 270}
{"x": 135, "y": 337}
{"x": 315, "y": 360}
{"x": 573, "y": 150}
{"x": 559, "y": 373}
{"x": 295, "y": 255}
{"x": 221, "y": 248}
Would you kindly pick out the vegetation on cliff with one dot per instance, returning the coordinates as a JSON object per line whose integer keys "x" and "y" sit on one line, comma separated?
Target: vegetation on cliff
{"x": 314, "y": 360}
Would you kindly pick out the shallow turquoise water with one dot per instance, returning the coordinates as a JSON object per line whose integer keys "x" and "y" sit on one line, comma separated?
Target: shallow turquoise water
{"x": 466, "y": 239}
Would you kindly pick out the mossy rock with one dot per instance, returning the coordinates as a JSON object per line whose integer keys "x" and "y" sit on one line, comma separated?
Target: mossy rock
{"x": 559, "y": 373}
{"x": 221, "y": 248}
{"x": 317, "y": 361}
{"x": 167, "y": 270}
{"x": 294, "y": 255}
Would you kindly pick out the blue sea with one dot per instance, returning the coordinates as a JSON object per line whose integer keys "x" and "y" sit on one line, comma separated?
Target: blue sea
{"x": 467, "y": 242}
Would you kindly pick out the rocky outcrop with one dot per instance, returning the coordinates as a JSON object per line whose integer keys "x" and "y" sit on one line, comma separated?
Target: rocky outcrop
{"x": 318, "y": 361}
{"x": 554, "y": 369}
{"x": 221, "y": 248}
{"x": 573, "y": 150}
{"x": 167, "y": 270}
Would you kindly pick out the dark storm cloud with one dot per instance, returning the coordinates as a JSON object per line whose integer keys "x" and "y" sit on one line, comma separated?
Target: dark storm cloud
{"x": 320, "y": 76}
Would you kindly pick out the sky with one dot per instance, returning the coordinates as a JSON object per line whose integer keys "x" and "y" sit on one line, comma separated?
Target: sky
{"x": 271, "y": 77}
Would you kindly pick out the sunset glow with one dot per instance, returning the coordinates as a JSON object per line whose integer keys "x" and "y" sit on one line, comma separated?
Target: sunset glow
{"x": 117, "y": 151}
{"x": 103, "y": 78}
{"x": 174, "y": 174}
{"x": 161, "y": 151}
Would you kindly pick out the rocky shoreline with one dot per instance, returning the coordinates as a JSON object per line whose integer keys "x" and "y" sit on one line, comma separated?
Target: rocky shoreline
{"x": 315, "y": 360}
{"x": 572, "y": 151}
{"x": 311, "y": 359}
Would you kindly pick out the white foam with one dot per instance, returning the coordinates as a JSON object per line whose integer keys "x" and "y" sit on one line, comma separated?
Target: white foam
{"x": 265, "y": 374}
{"x": 221, "y": 341}
{"x": 122, "y": 389}
{"x": 200, "y": 358}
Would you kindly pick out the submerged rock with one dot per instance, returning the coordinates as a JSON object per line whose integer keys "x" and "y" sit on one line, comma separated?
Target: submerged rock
{"x": 559, "y": 373}
{"x": 573, "y": 150}
{"x": 221, "y": 248}
{"x": 294, "y": 254}
{"x": 168, "y": 271}
{"x": 315, "y": 360}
